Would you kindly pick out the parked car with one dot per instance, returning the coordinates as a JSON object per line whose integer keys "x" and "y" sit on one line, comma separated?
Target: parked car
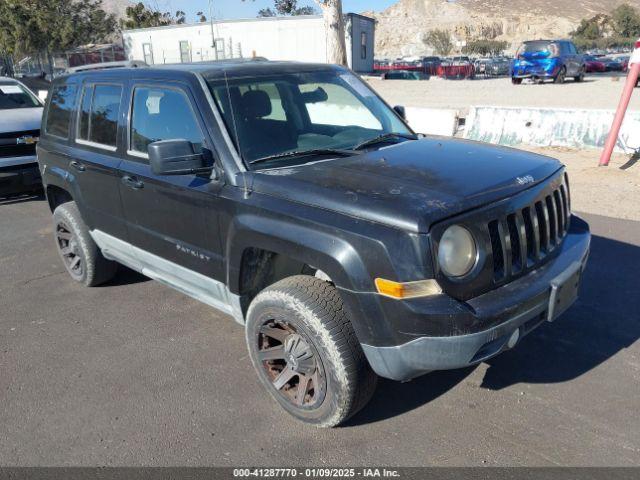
{"x": 612, "y": 64}
{"x": 594, "y": 64}
{"x": 456, "y": 68}
{"x": 543, "y": 60}
{"x": 625, "y": 62}
{"x": 20, "y": 118}
{"x": 498, "y": 67}
{"x": 431, "y": 64}
{"x": 481, "y": 65}
{"x": 404, "y": 75}
{"x": 263, "y": 189}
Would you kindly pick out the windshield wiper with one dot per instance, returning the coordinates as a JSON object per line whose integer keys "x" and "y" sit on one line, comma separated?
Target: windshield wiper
{"x": 304, "y": 153}
{"x": 384, "y": 137}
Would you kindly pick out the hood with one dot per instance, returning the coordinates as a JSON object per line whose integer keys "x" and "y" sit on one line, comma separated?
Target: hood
{"x": 410, "y": 185}
{"x": 20, "y": 119}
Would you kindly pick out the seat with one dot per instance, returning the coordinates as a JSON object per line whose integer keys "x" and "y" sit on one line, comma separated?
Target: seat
{"x": 260, "y": 136}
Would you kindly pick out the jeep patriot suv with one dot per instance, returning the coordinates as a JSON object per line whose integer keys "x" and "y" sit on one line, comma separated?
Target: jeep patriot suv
{"x": 293, "y": 198}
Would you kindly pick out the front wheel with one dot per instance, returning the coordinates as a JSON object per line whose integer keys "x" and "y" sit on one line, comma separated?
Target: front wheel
{"x": 306, "y": 353}
{"x": 516, "y": 81}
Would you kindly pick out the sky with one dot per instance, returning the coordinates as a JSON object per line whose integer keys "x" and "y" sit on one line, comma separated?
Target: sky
{"x": 230, "y": 9}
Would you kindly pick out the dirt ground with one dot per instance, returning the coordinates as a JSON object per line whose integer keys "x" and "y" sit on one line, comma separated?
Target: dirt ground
{"x": 612, "y": 191}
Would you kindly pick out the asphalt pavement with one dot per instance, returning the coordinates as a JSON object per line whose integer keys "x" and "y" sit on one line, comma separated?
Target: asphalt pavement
{"x": 134, "y": 373}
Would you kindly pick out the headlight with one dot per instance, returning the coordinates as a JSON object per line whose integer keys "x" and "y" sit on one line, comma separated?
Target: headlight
{"x": 457, "y": 253}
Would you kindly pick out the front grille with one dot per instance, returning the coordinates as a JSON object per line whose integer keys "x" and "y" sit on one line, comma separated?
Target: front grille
{"x": 521, "y": 240}
{"x": 9, "y": 146}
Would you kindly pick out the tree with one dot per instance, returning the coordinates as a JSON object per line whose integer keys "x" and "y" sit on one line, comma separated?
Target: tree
{"x": 202, "y": 18}
{"x": 266, "y": 12}
{"x": 592, "y": 28}
{"x": 626, "y": 21}
{"x": 334, "y": 28}
{"x": 308, "y": 10}
{"x": 441, "y": 42}
{"x": 485, "y": 47}
{"x": 45, "y": 26}
{"x": 140, "y": 16}
{"x": 286, "y": 7}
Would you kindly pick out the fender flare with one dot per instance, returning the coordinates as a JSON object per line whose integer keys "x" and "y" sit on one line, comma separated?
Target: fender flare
{"x": 330, "y": 253}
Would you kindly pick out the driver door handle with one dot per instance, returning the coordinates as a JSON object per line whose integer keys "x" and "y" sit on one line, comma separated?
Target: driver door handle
{"x": 78, "y": 166}
{"x": 132, "y": 182}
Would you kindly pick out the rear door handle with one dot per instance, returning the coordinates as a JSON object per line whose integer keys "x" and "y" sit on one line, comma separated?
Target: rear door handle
{"x": 132, "y": 182}
{"x": 78, "y": 166}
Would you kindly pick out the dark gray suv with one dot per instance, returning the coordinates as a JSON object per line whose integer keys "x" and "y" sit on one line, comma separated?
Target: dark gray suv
{"x": 293, "y": 198}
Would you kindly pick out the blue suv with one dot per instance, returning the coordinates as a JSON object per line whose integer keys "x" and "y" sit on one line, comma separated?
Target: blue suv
{"x": 543, "y": 60}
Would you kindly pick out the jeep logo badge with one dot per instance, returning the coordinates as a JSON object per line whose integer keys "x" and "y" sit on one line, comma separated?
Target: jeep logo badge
{"x": 525, "y": 180}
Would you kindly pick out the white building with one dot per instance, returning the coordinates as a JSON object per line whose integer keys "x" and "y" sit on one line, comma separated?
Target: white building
{"x": 299, "y": 38}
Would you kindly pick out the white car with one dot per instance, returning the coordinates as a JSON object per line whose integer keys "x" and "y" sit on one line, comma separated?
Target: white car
{"x": 20, "y": 118}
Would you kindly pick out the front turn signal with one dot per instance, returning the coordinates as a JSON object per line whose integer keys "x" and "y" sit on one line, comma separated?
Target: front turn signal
{"x": 403, "y": 291}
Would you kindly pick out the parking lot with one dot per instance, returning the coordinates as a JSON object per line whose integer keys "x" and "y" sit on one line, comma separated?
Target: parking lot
{"x": 598, "y": 91}
{"x": 134, "y": 373}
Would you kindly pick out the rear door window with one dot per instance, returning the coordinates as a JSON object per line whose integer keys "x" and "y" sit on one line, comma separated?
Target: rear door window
{"x": 162, "y": 114}
{"x": 98, "y": 116}
{"x": 61, "y": 108}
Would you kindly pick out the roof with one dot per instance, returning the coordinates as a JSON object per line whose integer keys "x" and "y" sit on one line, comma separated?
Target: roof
{"x": 243, "y": 20}
{"x": 217, "y": 22}
{"x": 214, "y": 70}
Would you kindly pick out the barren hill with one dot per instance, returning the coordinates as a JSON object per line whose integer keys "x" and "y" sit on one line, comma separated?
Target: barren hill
{"x": 117, "y": 7}
{"x": 402, "y": 27}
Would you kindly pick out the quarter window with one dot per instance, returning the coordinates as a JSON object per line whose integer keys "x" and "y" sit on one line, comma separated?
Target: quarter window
{"x": 63, "y": 103}
{"x": 98, "y": 119}
{"x": 162, "y": 114}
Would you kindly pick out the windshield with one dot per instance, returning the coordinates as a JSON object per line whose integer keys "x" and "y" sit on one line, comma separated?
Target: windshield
{"x": 274, "y": 115}
{"x": 14, "y": 95}
{"x": 540, "y": 46}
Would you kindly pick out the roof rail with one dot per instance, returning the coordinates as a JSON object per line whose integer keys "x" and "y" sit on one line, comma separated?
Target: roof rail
{"x": 107, "y": 65}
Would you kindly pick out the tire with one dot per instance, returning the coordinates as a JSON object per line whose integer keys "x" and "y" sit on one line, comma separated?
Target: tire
{"x": 516, "y": 81}
{"x": 79, "y": 253}
{"x": 561, "y": 77}
{"x": 580, "y": 77}
{"x": 303, "y": 319}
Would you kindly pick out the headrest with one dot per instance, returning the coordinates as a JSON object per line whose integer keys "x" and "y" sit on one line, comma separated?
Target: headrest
{"x": 256, "y": 104}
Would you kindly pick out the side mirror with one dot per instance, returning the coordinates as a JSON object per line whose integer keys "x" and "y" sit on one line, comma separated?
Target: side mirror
{"x": 399, "y": 109}
{"x": 176, "y": 157}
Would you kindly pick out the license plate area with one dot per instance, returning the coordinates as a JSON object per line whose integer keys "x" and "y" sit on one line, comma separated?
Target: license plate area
{"x": 564, "y": 291}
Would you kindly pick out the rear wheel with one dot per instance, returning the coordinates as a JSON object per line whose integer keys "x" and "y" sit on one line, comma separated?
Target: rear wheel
{"x": 516, "y": 81}
{"x": 581, "y": 75}
{"x": 561, "y": 77}
{"x": 80, "y": 254}
{"x": 306, "y": 353}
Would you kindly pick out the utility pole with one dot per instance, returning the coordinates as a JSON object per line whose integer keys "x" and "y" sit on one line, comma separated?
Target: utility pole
{"x": 213, "y": 34}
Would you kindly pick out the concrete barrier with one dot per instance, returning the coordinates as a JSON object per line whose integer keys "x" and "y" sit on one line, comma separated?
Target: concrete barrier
{"x": 576, "y": 128}
{"x": 432, "y": 121}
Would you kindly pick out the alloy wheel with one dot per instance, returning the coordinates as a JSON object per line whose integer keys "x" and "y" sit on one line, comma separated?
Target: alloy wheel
{"x": 292, "y": 364}
{"x": 69, "y": 249}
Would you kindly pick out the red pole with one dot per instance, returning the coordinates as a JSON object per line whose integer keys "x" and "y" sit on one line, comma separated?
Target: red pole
{"x": 632, "y": 79}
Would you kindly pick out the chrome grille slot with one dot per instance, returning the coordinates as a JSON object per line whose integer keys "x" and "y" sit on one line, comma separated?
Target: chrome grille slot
{"x": 522, "y": 239}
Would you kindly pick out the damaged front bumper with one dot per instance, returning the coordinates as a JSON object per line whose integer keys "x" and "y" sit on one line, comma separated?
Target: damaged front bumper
{"x": 509, "y": 313}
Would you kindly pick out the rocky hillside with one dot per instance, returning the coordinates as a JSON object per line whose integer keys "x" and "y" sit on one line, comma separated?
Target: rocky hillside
{"x": 402, "y": 28}
{"x": 117, "y": 7}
